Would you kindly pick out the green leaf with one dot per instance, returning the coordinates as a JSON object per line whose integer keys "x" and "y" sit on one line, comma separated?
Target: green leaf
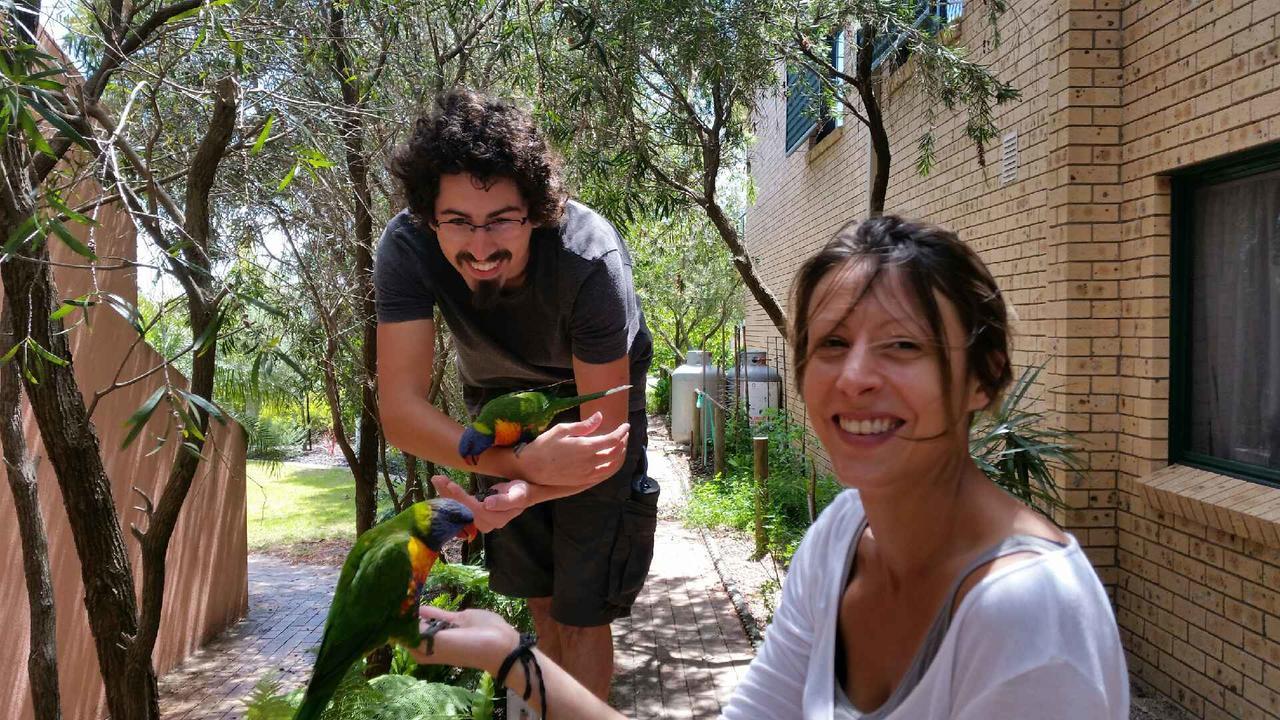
{"x": 56, "y": 120}
{"x": 209, "y": 334}
{"x": 140, "y": 416}
{"x": 213, "y": 410}
{"x": 28, "y": 229}
{"x": 292, "y": 363}
{"x": 288, "y": 178}
{"x": 63, "y": 310}
{"x": 262, "y": 136}
{"x": 72, "y": 241}
{"x": 197, "y": 10}
{"x": 13, "y": 351}
{"x": 45, "y": 353}
{"x": 263, "y": 305}
{"x": 28, "y": 125}
{"x": 60, "y": 205}
{"x": 125, "y": 309}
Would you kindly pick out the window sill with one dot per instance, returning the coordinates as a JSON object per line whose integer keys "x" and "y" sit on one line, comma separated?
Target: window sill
{"x": 1246, "y": 509}
{"x": 818, "y": 149}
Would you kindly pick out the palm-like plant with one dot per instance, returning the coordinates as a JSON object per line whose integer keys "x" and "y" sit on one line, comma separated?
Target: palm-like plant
{"x": 1018, "y": 452}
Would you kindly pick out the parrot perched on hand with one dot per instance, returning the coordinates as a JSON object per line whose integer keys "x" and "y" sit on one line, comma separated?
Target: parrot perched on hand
{"x": 377, "y": 595}
{"x": 517, "y": 417}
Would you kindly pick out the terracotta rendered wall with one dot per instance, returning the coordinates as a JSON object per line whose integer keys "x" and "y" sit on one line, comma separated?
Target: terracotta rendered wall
{"x": 1116, "y": 96}
{"x": 207, "y": 586}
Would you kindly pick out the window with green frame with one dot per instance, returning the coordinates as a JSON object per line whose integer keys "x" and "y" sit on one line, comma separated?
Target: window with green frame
{"x": 805, "y": 116}
{"x": 1225, "y": 319}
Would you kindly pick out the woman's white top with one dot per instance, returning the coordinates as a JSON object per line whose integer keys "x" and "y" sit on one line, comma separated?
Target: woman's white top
{"x": 1036, "y": 639}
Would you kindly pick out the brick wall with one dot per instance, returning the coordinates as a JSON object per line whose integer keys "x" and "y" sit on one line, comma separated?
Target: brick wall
{"x": 1116, "y": 94}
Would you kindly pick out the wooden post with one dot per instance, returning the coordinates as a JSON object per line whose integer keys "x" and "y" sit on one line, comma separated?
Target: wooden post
{"x": 695, "y": 432}
{"x": 813, "y": 492}
{"x": 717, "y": 414}
{"x": 760, "y": 446}
{"x": 693, "y": 414}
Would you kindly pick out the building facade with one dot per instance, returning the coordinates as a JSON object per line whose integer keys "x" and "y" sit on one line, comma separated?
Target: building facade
{"x": 1131, "y": 214}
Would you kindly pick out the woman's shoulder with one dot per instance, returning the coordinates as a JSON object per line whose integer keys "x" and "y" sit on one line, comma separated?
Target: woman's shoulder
{"x": 1053, "y": 599}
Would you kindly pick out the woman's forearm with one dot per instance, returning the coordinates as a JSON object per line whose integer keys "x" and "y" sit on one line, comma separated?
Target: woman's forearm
{"x": 567, "y": 699}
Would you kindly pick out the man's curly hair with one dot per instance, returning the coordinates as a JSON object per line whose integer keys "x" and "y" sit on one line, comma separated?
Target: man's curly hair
{"x": 489, "y": 138}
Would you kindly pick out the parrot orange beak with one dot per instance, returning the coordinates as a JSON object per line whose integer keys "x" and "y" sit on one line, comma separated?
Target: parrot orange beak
{"x": 470, "y": 532}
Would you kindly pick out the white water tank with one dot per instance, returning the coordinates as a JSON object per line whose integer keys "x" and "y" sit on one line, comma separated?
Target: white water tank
{"x": 696, "y": 372}
{"x": 763, "y": 384}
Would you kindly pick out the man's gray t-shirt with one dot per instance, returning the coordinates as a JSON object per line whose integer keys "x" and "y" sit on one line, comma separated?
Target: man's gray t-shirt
{"x": 577, "y": 300}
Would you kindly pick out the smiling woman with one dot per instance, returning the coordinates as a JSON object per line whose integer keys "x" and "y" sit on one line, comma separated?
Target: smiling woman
{"x": 923, "y": 590}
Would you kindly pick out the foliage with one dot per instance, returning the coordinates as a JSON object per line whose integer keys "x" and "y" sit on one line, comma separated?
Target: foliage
{"x": 387, "y": 697}
{"x": 660, "y": 394}
{"x": 944, "y": 75}
{"x": 652, "y": 127}
{"x": 1015, "y": 448}
{"x": 728, "y": 500}
{"x": 468, "y": 587}
{"x": 690, "y": 292}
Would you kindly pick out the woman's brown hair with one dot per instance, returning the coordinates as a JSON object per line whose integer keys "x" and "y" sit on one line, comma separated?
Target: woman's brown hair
{"x": 928, "y": 258}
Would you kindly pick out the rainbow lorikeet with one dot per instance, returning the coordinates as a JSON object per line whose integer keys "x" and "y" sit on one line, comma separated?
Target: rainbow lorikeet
{"x": 377, "y": 595}
{"x": 517, "y": 418}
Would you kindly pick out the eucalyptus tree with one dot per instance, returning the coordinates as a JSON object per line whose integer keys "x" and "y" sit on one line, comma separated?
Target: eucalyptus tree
{"x": 881, "y": 35}
{"x": 166, "y": 177}
{"x": 653, "y": 101}
{"x": 687, "y": 284}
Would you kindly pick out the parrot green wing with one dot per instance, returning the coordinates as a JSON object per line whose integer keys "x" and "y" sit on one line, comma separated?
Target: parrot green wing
{"x": 528, "y": 409}
{"x": 366, "y": 606}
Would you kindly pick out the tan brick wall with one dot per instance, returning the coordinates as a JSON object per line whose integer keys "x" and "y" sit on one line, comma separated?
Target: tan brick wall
{"x": 1199, "y": 591}
{"x": 1117, "y": 94}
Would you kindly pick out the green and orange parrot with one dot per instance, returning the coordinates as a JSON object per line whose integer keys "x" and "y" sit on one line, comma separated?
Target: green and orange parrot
{"x": 516, "y": 418}
{"x": 376, "y": 600}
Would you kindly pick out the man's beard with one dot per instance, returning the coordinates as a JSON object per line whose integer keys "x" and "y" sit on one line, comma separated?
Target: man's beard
{"x": 487, "y": 293}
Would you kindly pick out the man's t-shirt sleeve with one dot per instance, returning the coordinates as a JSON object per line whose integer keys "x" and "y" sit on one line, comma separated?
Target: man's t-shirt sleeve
{"x": 401, "y": 287}
{"x": 605, "y": 317}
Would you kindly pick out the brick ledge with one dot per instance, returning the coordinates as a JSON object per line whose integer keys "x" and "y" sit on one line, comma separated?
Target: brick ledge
{"x": 1249, "y": 510}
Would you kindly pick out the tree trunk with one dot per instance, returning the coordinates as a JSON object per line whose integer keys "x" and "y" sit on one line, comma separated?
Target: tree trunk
{"x": 42, "y": 660}
{"x": 762, "y": 294}
{"x": 351, "y": 124}
{"x": 72, "y": 445}
{"x": 204, "y": 317}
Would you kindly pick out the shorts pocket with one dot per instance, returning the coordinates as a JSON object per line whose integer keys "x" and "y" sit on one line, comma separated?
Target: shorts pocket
{"x": 633, "y": 546}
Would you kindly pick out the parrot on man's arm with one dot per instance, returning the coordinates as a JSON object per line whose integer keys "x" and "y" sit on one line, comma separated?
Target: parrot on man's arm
{"x": 517, "y": 417}
{"x": 377, "y": 595}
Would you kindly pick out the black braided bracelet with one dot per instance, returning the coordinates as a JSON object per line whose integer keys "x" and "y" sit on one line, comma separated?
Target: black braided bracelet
{"x": 524, "y": 653}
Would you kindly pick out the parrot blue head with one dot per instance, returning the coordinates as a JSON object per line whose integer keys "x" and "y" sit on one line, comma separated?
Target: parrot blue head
{"x": 449, "y": 519}
{"x": 472, "y": 443}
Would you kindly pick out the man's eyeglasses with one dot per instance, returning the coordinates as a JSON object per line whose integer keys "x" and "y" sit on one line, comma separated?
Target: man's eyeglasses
{"x": 495, "y": 228}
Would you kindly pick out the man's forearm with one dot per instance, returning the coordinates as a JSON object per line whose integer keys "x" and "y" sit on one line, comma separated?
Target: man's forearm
{"x": 421, "y": 430}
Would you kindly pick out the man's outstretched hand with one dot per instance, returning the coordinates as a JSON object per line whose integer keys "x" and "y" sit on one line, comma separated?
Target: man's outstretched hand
{"x": 503, "y": 503}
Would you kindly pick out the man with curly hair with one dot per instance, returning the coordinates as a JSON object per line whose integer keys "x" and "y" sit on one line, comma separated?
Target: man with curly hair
{"x": 536, "y": 290}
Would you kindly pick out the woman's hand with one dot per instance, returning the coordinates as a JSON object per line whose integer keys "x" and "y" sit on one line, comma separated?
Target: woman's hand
{"x": 568, "y": 454}
{"x": 480, "y": 640}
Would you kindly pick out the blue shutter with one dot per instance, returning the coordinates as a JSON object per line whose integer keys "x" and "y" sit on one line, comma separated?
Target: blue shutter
{"x": 802, "y": 86}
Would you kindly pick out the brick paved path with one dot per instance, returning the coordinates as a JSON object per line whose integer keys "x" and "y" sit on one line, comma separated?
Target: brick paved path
{"x": 678, "y": 656}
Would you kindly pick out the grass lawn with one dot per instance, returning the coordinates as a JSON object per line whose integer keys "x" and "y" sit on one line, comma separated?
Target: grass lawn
{"x": 298, "y": 503}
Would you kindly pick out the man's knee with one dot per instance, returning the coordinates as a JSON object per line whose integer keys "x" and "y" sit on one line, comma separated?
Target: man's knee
{"x": 574, "y": 633}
